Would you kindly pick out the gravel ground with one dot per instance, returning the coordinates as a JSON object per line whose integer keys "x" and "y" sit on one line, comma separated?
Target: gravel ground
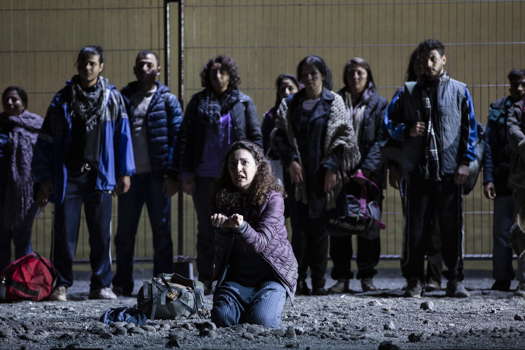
{"x": 379, "y": 320}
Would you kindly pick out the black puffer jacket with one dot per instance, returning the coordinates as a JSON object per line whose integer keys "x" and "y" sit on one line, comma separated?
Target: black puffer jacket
{"x": 163, "y": 121}
{"x": 371, "y": 135}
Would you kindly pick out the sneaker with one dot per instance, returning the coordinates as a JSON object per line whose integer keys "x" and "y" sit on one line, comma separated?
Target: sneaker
{"x": 59, "y": 294}
{"x": 367, "y": 285}
{"x": 302, "y": 288}
{"x": 341, "y": 286}
{"x": 456, "y": 289}
{"x": 501, "y": 285}
{"x": 102, "y": 293}
{"x": 432, "y": 285}
{"x": 520, "y": 291}
{"x": 413, "y": 289}
{"x": 121, "y": 291}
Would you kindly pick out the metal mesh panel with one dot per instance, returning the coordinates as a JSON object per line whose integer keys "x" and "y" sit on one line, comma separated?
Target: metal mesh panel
{"x": 270, "y": 37}
{"x": 40, "y": 40}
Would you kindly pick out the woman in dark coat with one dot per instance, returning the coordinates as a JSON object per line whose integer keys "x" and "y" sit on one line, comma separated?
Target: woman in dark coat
{"x": 285, "y": 86}
{"x": 365, "y": 108}
{"x": 254, "y": 262}
{"x": 215, "y": 118}
{"x": 316, "y": 144}
{"x": 18, "y": 134}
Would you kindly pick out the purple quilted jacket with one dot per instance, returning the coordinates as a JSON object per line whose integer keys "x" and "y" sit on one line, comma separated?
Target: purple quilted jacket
{"x": 265, "y": 231}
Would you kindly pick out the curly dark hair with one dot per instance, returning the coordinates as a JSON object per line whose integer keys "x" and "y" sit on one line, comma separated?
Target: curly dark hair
{"x": 263, "y": 182}
{"x": 423, "y": 49}
{"x": 227, "y": 64}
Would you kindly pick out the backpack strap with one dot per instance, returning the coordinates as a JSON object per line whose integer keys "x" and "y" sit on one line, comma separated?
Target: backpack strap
{"x": 153, "y": 297}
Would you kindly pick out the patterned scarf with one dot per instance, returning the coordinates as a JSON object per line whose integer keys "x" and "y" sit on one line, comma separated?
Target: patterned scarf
{"x": 431, "y": 168}
{"x": 89, "y": 107}
{"x": 213, "y": 107}
{"x": 19, "y": 183}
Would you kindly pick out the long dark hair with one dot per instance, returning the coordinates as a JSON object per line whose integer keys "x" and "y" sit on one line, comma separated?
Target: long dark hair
{"x": 278, "y": 83}
{"x": 411, "y": 73}
{"x": 263, "y": 181}
{"x": 319, "y": 63}
{"x": 359, "y": 62}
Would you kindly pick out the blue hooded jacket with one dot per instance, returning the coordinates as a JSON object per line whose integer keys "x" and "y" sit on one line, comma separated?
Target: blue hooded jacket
{"x": 116, "y": 151}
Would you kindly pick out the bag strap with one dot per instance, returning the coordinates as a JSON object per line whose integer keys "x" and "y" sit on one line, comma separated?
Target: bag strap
{"x": 180, "y": 279}
{"x": 361, "y": 176}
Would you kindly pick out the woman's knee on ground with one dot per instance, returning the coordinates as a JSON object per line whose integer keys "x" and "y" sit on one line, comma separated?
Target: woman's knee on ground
{"x": 224, "y": 314}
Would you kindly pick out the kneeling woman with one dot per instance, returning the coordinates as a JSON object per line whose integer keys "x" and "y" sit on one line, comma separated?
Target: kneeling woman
{"x": 254, "y": 261}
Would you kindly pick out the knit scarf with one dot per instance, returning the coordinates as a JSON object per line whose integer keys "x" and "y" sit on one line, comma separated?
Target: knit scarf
{"x": 89, "y": 106}
{"x": 339, "y": 136}
{"x": 18, "y": 198}
{"x": 214, "y": 107}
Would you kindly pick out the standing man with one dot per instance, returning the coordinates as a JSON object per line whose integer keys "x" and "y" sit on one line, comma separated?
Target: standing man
{"x": 496, "y": 164}
{"x": 155, "y": 116}
{"x": 82, "y": 155}
{"x": 435, "y": 118}
{"x": 516, "y": 130}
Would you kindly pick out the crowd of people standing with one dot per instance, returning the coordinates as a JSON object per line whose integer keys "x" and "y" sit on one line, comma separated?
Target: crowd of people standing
{"x": 246, "y": 175}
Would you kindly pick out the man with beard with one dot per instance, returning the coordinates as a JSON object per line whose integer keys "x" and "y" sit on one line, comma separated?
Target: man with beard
{"x": 435, "y": 115}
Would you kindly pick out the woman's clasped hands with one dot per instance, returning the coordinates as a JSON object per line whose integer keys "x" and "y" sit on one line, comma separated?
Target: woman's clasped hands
{"x": 223, "y": 221}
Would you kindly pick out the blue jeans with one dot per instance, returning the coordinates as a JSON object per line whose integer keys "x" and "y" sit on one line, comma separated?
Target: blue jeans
{"x": 145, "y": 188}
{"x": 234, "y": 303}
{"x": 97, "y": 207}
{"x": 20, "y": 236}
{"x": 502, "y": 249}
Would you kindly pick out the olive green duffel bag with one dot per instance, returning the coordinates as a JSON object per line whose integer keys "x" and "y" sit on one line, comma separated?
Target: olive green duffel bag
{"x": 171, "y": 296}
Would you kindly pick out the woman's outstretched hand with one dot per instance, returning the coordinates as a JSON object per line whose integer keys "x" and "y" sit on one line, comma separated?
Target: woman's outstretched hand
{"x": 222, "y": 221}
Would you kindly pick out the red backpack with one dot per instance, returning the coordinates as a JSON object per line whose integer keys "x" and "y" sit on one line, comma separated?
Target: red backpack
{"x": 30, "y": 277}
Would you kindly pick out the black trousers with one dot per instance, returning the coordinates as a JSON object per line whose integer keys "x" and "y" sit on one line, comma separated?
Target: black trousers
{"x": 309, "y": 243}
{"x": 429, "y": 202}
{"x": 368, "y": 251}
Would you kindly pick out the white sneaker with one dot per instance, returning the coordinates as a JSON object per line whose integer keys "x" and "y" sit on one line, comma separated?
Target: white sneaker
{"x": 102, "y": 293}
{"x": 58, "y": 294}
